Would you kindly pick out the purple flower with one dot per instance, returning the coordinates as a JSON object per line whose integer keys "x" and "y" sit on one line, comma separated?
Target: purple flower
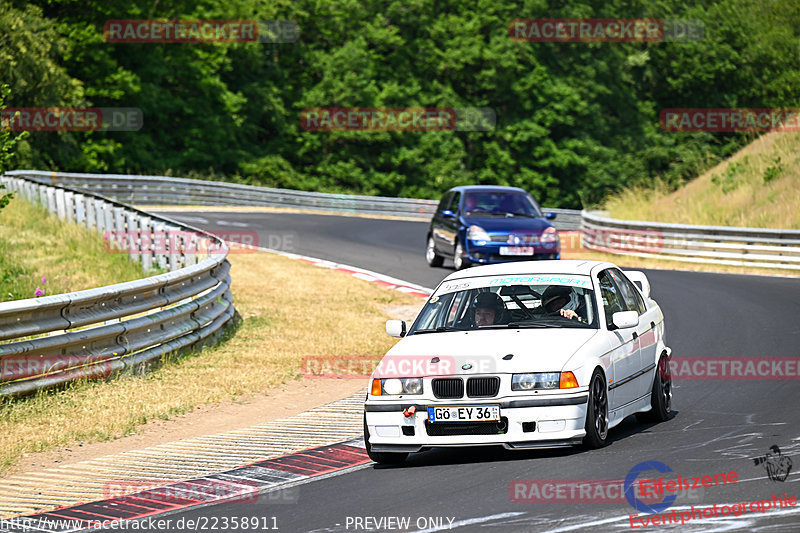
{"x": 44, "y": 280}
{"x": 38, "y": 292}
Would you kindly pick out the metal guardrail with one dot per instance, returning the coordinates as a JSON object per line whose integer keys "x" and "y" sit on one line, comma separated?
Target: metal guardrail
{"x": 164, "y": 190}
{"x": 723, "y": 245}
{"x": 101, "y": 332}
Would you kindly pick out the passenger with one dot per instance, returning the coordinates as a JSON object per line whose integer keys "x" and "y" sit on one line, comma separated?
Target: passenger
{"x": 554, "y": 299}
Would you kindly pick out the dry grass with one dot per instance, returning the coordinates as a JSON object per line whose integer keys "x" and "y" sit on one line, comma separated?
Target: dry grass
{"x": 759, "y": 187}
{"x": 290, "y": 310}
{"x": 34, "y": 244}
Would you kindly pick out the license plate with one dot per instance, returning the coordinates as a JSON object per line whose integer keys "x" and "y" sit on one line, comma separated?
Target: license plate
{"x": 516, "y": 250}
{"x": 464, "y": 413}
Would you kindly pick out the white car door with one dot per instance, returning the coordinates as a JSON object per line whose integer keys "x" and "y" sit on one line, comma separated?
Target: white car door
{"x": 625, "y": 353}
{"x": 646, "y": 330}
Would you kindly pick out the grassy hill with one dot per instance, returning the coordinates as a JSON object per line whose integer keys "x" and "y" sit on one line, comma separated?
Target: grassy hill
{"x": 35, "y": 244}
{"x": 759, "y": 186}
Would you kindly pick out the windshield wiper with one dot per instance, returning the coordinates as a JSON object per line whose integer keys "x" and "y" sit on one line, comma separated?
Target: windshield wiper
{"x": 438, "y": 330}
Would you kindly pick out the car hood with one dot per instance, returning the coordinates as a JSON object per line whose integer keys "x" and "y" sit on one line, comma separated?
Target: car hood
{"x": 508, "y": 224}
{"x": 535, "y": 350}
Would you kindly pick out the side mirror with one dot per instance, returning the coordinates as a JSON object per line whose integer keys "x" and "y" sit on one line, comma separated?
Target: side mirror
{"x": 624, "y": 320}
{"x": 448, "y": 214}
{"x": 550, "y": 216}
{"x": 396, "y": 328}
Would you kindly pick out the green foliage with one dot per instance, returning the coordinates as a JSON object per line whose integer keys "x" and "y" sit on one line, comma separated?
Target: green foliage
{"x": 575, "y": 121}
{"x": 774, "y": 170}
{"x": 7, "y": 143}
{"x": 730, "y": 178}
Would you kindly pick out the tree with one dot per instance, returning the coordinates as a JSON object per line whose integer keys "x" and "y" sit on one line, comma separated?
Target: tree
{"x": 7, "y": 142}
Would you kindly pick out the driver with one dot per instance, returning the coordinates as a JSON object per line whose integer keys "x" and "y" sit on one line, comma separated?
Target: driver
{"x": 470, "y": 203}
{"x": 489, "y": 309}
{"x": 554, "y": 298}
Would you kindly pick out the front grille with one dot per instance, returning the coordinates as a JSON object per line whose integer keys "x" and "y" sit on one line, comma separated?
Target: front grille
{"x": 483, "y": 387}
{"x": 448, "y": 388}
{"x": 449, "y": 429}
{"x": 499, "y": 238}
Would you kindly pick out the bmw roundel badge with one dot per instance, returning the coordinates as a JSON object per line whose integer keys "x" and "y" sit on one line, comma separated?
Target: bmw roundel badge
{"x": 466, "y": 366}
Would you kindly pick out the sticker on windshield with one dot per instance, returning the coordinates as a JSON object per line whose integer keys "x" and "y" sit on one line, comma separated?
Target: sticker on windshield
{"x": 538, "y": 279}
{"x": 547, "y": 279}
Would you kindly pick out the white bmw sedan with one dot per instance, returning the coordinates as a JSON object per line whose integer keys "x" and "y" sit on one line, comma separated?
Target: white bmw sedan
{"x": 523, "y": 355}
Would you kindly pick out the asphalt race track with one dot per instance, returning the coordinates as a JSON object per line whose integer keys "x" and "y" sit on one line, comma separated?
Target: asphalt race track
{"x": 718, "y": 426}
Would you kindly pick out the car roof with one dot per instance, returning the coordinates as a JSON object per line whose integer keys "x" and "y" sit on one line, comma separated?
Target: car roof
{"x": 562, "y": 266}
{"x": 486, "y": 188}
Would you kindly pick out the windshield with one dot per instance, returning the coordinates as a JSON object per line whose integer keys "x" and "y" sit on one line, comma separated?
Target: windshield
{"x": 499, "y": 203}
{"x": 493, "y": 302}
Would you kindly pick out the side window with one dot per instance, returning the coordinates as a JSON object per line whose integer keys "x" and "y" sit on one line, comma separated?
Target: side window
{"x": 612, "y": 300}
{"x": 633, "y": 300}
{"x": 454, "y": 202}
{"x": 444, "y": 202}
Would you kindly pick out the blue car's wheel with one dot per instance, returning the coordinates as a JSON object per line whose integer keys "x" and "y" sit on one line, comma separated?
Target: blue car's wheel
{"x": 433, "y": 259}
{"x": 459, "y": 261}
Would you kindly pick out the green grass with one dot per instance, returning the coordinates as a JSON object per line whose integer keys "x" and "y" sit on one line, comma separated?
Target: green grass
{"x": 758, "y": 187}
{"x": 34, "y": 244}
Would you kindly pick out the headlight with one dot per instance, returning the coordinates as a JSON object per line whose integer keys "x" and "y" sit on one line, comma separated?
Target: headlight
{"x": 477, "y": 233}
{"x": 396, "y": 386}
{"x": 539, "y": 380}
{"x": 549, "y": 235}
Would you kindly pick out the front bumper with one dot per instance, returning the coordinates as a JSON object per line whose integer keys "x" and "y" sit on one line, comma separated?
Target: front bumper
{"x": 488, "y": 252}
{"x": 530, "y": 421}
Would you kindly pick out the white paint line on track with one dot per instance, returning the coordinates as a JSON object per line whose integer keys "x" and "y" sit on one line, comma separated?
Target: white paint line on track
{"x": 357, "y": 272}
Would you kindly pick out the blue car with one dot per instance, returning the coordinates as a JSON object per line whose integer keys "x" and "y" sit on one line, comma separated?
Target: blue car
{"x": 483, "y": 224}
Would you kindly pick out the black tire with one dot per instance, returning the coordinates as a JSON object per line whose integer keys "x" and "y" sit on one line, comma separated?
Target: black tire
{"x": 597, "y": 412}
{"x": 660, "y": 395}
{"x": 458, "y": 259}
{"x": 433, "y": 259}
{"x": 382, "y": 458}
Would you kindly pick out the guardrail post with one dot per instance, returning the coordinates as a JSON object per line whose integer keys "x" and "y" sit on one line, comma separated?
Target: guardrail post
{"x": 61, "y": 210}
{"x": 100, "y": 216}
{"x": 132, "y": 236}
{"x": 189, "y": 248}
{"x": 42, "y": 195}
{"x": 108, "y": 218}
{"x": 91, "y": 216}
{"x": 69, "y": 206}
{"x": 148, "y": 241}
{"x": 173, "y": 260}
{"x": 80, "y": 209}
{"x": 51, "y": 200}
